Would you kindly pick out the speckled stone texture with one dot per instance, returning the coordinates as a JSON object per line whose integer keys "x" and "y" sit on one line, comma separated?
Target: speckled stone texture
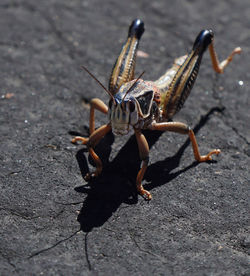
{"x": 52, "y": 223}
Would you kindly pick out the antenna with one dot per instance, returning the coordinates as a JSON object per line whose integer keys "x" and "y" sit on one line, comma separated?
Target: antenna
{"x": 132, "y": 86}
{"x": 110, "y": 94}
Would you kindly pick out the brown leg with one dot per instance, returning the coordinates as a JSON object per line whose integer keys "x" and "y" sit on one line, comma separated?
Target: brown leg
{"x": 184, "y": 129}
{"x": 94, "y": 139}
{"x": 219, "y": 66}
{"x": 144, "y": 152}
{"x": 94, "y": 104}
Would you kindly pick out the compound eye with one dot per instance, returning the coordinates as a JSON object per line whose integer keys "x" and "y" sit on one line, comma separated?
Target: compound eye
{"x": 131, "y": 106}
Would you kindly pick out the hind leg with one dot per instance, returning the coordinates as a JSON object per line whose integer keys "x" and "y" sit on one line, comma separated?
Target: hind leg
{"x": 220, "y": 66}
{"x": 185, "y": 129}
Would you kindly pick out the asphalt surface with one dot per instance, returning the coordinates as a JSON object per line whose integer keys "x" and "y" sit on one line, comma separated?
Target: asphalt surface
{"x": 52, "y": 223}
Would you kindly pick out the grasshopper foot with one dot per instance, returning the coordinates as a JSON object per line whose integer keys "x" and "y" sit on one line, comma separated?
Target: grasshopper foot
{"x": 145, "y": 194}
{"x": 90, "y": 176}
{"x": 79, "y": 138}
{"x": 208, "y": 157}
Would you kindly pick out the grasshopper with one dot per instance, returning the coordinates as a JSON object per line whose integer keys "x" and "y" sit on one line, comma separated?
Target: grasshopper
{"x": 136, "y": 104}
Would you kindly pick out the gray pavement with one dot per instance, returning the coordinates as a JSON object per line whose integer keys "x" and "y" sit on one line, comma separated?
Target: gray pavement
{"x": 52, "y": 223}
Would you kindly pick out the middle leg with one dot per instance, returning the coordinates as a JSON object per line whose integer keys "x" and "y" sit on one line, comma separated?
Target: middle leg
{"x": 144, "y": 156}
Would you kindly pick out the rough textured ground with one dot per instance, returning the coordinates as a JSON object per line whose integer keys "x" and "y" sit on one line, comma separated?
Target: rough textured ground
{"x": 51, "y": 223}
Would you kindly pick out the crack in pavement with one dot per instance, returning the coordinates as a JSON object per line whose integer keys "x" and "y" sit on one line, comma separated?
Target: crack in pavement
{"x": 15, "y": 213}
{"x": 69, "y": 203}
{"x": 68, "y": 49}
{"x": 160, "y": 258}
{"x": 7, "y": 259}
{"x": 54, "y": 245}
{"x": 26, "y": 217}
{"x": 58, "y": 214}
{"x": 73, "y": 52}
{"x": 236, "y": 131}
{"x": 217, "y": 244}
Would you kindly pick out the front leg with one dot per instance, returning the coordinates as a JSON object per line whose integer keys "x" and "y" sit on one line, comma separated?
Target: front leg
{"x": 144, "y": 156}
{"x": 94, "y": 104}
{"x": 94, "y": 139}
{"x": 185, "y": 129}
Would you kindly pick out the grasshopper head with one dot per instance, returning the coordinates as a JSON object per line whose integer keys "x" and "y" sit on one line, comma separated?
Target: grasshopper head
{"x": 123, "y": 115}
